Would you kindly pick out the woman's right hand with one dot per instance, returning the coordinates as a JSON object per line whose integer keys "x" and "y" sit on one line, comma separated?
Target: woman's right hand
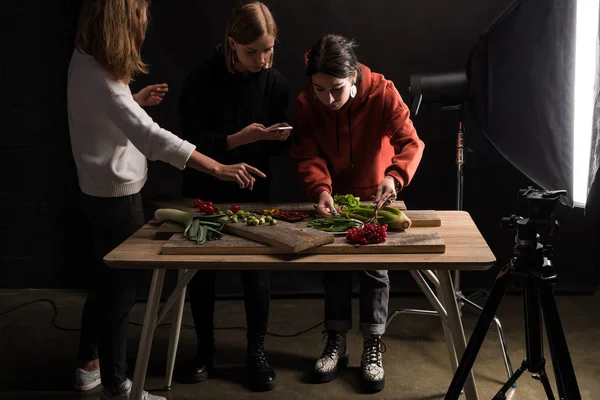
{"x": 325, "y": 206}
{"x": 240, "y": 173}
{"x": 255, "y": 132}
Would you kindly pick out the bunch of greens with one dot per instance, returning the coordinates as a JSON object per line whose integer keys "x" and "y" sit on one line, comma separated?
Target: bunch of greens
{"x": 346, "y": 200}
{"x": 333, "y": 224}
{"x": 198, "y": 228}
{"x": 390, "y": 216}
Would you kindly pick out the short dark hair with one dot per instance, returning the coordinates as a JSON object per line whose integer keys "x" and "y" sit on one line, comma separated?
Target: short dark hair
{"x": 333, "y": 55}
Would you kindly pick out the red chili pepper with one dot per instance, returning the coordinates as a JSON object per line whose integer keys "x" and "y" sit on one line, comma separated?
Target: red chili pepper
{"x": 235, "y": 208}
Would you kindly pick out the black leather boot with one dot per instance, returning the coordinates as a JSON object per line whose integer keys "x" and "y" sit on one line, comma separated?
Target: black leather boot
{"x": 261, "y": 376}
{"x": 198, "y": 369}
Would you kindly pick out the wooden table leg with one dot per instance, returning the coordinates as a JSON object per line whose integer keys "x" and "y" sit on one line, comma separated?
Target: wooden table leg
{"x": 141, "y": 362}
{"x": 456, "y": 327}
{"x": 447, "y": 333}
{"x": 177, "y": 317}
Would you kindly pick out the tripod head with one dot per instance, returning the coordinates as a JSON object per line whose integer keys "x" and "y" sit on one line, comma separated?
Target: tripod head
{"x": 541, "y": 205}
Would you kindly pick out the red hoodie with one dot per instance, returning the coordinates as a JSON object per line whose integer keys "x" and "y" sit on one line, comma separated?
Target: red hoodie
{"x": 351, "y": 150}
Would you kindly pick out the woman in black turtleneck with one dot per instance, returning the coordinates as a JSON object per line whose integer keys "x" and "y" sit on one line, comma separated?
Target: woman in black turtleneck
{"x": 226, "y": 107}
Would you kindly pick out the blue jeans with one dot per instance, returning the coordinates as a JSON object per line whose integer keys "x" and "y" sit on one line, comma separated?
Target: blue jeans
{"x": 374, "y": 297}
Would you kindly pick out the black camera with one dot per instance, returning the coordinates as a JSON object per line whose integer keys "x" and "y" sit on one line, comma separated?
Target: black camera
{"x": 540, "y": 207}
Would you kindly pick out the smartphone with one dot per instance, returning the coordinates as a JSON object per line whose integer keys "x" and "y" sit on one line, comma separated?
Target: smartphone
{"x": 280, "y": 128}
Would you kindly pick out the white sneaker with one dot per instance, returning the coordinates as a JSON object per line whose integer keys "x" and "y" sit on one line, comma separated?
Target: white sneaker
{"x": 87, "y": 380}
{"x": 125, "y": 391}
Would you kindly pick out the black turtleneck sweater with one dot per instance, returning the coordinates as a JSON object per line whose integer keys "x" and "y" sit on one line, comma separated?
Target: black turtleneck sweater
{"x": 214, "y": 104}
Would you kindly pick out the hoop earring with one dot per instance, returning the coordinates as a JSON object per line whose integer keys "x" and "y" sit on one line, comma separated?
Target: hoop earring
{"x": 353, "y": 91}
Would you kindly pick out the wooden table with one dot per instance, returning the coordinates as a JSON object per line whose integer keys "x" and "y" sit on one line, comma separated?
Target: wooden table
{"x": 466, "y": 249}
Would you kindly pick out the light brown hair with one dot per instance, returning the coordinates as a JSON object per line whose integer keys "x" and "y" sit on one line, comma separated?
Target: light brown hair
{"x": 247, "y": 23}
{"x": 113, "y": 31}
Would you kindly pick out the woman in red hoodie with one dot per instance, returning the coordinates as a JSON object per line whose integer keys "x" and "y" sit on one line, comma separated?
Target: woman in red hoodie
{"x": 353, "y": 135}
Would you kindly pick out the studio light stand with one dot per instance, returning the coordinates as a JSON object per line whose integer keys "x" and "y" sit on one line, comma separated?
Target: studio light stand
{"x": 450, "y": 90}
{"x": 532, "y": 268}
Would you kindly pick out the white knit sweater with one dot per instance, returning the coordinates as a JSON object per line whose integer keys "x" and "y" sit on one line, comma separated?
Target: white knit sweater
{"x": 111, "y": 135}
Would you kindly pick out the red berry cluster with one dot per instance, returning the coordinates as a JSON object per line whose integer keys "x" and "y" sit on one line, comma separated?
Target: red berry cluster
{"x": 367, "y": 234}
{"x": 206, "y": 207}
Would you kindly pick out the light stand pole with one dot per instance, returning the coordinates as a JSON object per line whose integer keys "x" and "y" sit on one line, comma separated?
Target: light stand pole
{"x": 450, "y": 88}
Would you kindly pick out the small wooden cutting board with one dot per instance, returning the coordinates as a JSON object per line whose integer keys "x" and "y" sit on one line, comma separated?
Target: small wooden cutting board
{"x": 285, "y": 235}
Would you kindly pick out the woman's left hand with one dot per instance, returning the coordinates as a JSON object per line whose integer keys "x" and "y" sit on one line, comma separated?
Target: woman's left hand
{"x": 385, "y": 191}
{"x": 151, "y": 95}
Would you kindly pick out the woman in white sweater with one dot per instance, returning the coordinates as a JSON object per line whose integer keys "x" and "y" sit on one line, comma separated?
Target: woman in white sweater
{"x": 111, "y": 138}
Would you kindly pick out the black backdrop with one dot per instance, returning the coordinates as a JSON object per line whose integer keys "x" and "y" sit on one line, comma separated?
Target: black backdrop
{"x": 43, "y": 235}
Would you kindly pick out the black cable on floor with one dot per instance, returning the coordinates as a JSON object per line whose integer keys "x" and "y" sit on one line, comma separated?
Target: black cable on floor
{"x": 237, "y": 328}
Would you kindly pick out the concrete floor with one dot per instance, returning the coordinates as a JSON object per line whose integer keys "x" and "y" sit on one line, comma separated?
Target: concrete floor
{"x": 37, "y": 360}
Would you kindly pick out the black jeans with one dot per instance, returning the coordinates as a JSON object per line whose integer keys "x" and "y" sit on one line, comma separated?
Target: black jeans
{"x": 257, "y": 296}
{"x": 105, "y": 317}
{"x": 373, "y": 300}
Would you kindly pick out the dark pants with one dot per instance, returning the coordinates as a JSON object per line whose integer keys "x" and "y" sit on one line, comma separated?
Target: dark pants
{"x": 374, "y": 297}
{"x": 257, "y": 294}
{"x": 105, "y": 317}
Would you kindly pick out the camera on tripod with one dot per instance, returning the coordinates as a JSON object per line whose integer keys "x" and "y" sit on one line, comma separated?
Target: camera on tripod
{"x": 541, "y": 205}
{"x": 532, "y": 268}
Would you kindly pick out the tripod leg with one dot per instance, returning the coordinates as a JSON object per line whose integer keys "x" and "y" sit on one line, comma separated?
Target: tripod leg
{"x": 533, "y": 329}
{"x": 478, "y": 335}
{"x": 511, "y": 381}
{"x": 547, "y": 387}
{"x": 561, "y": 359}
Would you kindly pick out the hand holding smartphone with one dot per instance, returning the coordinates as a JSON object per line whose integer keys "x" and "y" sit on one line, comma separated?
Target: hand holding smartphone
{"x": 279, "y": 128}
{"x": 280, "y": 131}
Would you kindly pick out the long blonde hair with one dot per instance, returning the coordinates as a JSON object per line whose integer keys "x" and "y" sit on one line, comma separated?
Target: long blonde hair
{"x": 113, "y": 31}
{"x": 247, "y": 23}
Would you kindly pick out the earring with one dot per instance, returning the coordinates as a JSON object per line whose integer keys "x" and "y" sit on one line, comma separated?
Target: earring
{"x": 353, "y": 91}
{"x": 232, "y": 58}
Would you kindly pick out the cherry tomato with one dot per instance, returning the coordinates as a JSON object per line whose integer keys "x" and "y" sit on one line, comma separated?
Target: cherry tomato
{"x": 198, "y": 203}
{"x": 203, "y": 207}
{"x": 210, "y": 210}
{"x": 210, "y": 203}
{"x": 235, "y": 208}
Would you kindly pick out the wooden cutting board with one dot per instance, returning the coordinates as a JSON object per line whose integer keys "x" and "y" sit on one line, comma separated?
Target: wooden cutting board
{"x": 397, "y": 243}
{"x": 423, "y": 218}
{"x": 288, "y": 237}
